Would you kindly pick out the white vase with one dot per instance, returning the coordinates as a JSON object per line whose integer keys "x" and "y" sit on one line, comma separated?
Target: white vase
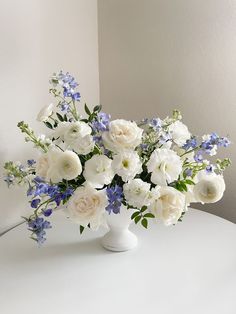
{"x": 119, "y": 238}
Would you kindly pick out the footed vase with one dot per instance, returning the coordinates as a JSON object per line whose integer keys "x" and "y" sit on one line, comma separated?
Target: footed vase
{"x": 119, "y": 238}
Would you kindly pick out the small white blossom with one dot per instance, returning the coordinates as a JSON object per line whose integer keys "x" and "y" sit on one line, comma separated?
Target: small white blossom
{"x": 137, "y": 193}
{"x": 179, "y": 133}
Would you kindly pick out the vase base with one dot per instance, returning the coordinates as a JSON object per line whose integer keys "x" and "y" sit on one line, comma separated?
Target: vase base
{"x": 119, "y": 242}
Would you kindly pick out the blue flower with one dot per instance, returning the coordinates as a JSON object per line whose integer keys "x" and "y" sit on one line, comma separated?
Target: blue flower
{"x": 198, "y": 156}
{"x": 47, "y": 212}
{"x": 65, "y": 107}
{"x": 31, "y": 162}
{"x": 35, "y": 203}
{"x": 190, "y": 144}
{"x": 41, "y": 188}
{"x": 188, "y": 172}
{"x": 102, "y": 122}
{"x": 156, "y": 123}
{"x": 209, "y": 169}
{"x": 38, "y": 226}
{"x": 76, "y": 96}
{"x": 115, "y": 197}
{"x": 224, "y": 141}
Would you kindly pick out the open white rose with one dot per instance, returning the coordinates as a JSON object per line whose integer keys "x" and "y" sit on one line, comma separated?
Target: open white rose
{"x": 209, "y": 189}
{"x": 87, "y": 206}
{"x": 122, "y": 134}
{"x": 83, "y": 145}
{"x": 168, "y": 206}
{"x": 45, "y": 166}
{"x": 179, "y": 133}
{"x": 137, "y": 193}
{"x": 165, "y": 166}
{"x": 127, "y": 164}
{"x": 68, "y": 165}
{"x": 98, "y": 171}
{"x": 44, "y": 113}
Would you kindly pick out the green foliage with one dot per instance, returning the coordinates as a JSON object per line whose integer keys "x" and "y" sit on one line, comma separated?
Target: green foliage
{"x": 140, "y": 216}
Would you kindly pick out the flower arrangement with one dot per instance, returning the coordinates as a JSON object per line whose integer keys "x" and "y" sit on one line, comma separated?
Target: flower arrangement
{"x": 91, "y": 165}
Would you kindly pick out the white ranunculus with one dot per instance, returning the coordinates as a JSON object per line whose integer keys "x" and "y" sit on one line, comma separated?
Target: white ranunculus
{"x": 179, "y": 133}
{"x": 87, "y": 206}
{"x": 127, "y": 164}
{"x": 98, "y": 171}
{"x": 168, "y": 206}
{"x": 122, "y": 134}
{"x": 68, "y": 165}
{"x": 165, "y": 166}
{"x": 137, "y": 193}
{"x": 209, "y": 188}
{"x": 83, "y": 145}
{"x": 44, "y": 113}
{"x": 76, "y": 130}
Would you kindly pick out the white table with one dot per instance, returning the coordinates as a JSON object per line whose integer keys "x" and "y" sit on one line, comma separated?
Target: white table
{"x": 189, "y": 268}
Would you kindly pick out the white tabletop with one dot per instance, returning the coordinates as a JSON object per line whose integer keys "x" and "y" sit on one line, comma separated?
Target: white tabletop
{"x": 189, "y": 268}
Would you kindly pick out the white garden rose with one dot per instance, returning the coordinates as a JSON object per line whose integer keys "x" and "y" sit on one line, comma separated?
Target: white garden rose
{"x": 165, "y": 166}
{"x": 45, "y": 166}
{"x": 168, "y": 206}
{"x": 209, "y": 188}
{"x": 179, "y": 133}
{"x": 122, "y": 134}
{"x": 68, "y": 165}
{"x": 76, "y": 130}
{"x": 87, "y": 206}
{"x": 98, "y": 171}
{"x": 127, "y": 164}
{"x": 83, "y": 145}
{"x": 44, "y": 113}
{"x": 137, "y": 193}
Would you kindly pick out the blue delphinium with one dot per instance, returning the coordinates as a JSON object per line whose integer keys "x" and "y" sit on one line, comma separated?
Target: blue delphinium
{"x": 101, "y": 123}
{"x": 68, "y": 83}
{"x": 115, "y": 197}
{"x": 190, "y": 144}
{"x": 65, "y": 107}
{"x": 31, "y": 162}
{"x": 38, "y": 226}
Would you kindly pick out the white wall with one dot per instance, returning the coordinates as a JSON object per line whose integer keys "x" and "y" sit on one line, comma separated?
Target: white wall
{"x": 157, "y": 55}
{"x": 37, "y": 38}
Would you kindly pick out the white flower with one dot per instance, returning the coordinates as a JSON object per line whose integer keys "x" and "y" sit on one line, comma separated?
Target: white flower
{"x": 122, "y": 134}
{"x": 44, "y": 113}
{"x": 87, "y": 206}
{"x": 168, "y": 206}
{"x": 127, "y": 164}
{"x": 137, "y": 193}
{"x": 67, "y": 165}
{"x": 83, "y": 145}
{"x": 179, "y": 133}
{"x": 98, "y": 171}
{"x": 45, "y": 166}
{"x": 165, "y": 166}
{"x": 76, "y": 130}
{"x": 209, "y": 189}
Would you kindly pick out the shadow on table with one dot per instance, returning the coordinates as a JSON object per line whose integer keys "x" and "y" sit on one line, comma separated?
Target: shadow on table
{"x": 91, "y": 247}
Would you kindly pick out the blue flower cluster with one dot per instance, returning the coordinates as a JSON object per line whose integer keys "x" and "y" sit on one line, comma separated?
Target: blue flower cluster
{"x": 115, "y": 197}
{"x": 38, "y": 226}
{"x": 68, "y": 84}
{"x": 190, "y": 144}
{"x": 101, "y": 123}
{"x": 214, "y": 140}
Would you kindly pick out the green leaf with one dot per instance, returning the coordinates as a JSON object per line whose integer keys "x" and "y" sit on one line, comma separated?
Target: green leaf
{"x": 144, "y": 223}
{"x": 184, "y": 187}
{"x": 81, "y": 229}
{"x": 189, "y": 182}
{"x": 137, "y": 218}
{"x": 86, "y": 109}
{"x": 65, "y": 117}
{"x": 48, "y": 124}
{"x": 97, "y": 108}
{"x": 60, "y": 117}
{"x": 143, "y": 209}
{"x": 135, "y": 215}
{"x": 149, "y": 215}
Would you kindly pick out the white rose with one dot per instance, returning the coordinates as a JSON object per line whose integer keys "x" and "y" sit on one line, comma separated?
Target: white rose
{"x": 127, "y": 164}
{"x": 179, "y": 133}
{"x": 83, "y": 145}
{"x": 98, "y": 171}
{"x": 67, "y": 165}
{"x": 168, "y": 206}
{"x": 122, "y": 134}
{"x": 165, "y": 166}
{"x": 45, "y": 166}
{"x": 209, "y": 189}
{"x": 87, "y": 206}
{"x": 44, "y": 113}
{"x": 137, "y": 193}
